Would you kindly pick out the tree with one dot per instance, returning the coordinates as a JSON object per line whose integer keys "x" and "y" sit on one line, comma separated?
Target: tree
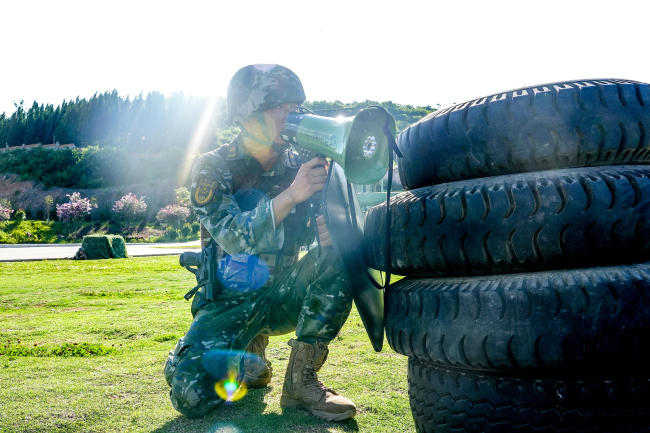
{"x": 48, "y": 203}
{"x": 5, "y": 211}
{"x": 173, "y": 214}
{"x": 183, "y": 196}
{"x": 76, "y": 209}
{"x": 129, "y": 207}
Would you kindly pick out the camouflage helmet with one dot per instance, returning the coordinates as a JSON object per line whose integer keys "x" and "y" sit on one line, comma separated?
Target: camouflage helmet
{"x": 259, "y": 87}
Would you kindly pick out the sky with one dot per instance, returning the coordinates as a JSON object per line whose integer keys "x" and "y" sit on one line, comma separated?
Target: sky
{"x": 409, "y": 52}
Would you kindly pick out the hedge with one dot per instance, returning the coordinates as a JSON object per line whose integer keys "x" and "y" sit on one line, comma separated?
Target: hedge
{"x": 104, "y": 247}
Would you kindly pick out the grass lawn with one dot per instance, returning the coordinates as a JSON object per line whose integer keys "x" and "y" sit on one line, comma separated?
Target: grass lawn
{"x": 135, "y": 306}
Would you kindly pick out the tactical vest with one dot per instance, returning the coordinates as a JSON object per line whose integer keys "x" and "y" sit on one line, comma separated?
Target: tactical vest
{"x": 250, "y": 185}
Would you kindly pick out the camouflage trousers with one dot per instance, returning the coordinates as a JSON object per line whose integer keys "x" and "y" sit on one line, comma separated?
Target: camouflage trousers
{"x": 313, "y": 298}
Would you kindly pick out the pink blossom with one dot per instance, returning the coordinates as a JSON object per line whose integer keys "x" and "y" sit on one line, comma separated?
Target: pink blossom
{"x": 5, "y": 213}
{"x": 172, "y": 214}
{"x": 129, "y": 205}
{"x": 77, "y": 208}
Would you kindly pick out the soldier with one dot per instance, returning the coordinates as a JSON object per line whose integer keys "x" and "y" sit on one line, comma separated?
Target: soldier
{"x": 252, "y": 196}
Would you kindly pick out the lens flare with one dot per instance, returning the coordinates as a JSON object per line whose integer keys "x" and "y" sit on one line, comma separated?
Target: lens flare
{"x": 200, "y": 134}
{"x": 229, "y": 389}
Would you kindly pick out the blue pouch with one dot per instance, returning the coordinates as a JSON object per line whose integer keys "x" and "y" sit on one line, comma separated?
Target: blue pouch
{"x": 243, "y": 272}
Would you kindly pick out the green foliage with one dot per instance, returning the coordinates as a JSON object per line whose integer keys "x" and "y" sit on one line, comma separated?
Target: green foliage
{"x": 48, "y": 203}
{"x": 182, "y": 196}
{"x": 148, "y": 123}
{"x": 30, "y": 231}
{"x": 81, "y": 168}
{"x": 186, "y": 230}
{"x": 104, "y": 247}
{"x": 225, "y": 135}
{"x": 172, "y": 234}
{"x": 196, "y": 227}
{"x": 20, "y": 216}
{"x": 123, "y": 141}
{"x": 15, "y": 349}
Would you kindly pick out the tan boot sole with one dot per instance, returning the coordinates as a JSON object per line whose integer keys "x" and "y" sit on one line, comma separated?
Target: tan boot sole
{"x": 290, "y": 403}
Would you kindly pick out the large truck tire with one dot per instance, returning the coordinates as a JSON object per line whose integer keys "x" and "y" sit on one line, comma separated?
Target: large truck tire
{"x": 445, "y": 401}
{"x": 582, "y": 320}
{"x": 554, "y": 219}
{"x": 549, "y": 126}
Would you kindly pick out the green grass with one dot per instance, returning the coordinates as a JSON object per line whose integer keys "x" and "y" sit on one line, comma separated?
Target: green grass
{"x": 134, "y": 307}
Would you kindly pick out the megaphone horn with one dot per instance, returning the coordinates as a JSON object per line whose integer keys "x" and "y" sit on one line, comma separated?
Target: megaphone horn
{"x": 358, "y": 144}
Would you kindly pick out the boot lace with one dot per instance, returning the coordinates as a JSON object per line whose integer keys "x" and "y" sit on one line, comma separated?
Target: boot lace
{"x": 311, "y": 379}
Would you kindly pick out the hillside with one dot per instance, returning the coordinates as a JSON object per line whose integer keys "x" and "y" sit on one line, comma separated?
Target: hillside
{"x": 123, "y": 142}
{"x": 30, "y": 195}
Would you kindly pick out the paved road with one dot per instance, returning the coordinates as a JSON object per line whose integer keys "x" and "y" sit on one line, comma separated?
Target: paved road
{"x": 26, "y": 252}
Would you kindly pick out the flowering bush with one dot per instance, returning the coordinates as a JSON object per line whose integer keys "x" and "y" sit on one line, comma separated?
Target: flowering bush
{"x": 5, "y": 213}
{"x": 129, "y": 206}
{"x": 75, "y": 210}
{"x": 172, "y": 214}
{"x": 183, "y": 196}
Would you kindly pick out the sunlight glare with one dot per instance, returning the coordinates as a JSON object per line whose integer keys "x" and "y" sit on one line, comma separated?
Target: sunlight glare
{"x": 198, "y": 136}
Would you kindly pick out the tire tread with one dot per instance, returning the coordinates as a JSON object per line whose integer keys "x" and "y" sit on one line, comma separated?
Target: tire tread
{"x": 509, "y": 132}
{"x": 587, "y": 320}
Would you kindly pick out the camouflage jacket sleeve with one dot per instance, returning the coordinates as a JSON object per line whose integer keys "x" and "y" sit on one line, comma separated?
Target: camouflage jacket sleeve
{"x": 237, "y": 232}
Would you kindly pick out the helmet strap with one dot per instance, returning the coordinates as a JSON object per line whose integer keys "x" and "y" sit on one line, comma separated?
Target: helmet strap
{"x": 268, "y": 142}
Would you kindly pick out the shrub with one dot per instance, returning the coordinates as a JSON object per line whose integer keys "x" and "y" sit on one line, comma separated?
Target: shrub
{"x": 75, "y": 209}
{"x": 40, "y": 215}
{"x": 172, "y": 234}
{"x": 183, "y": 196}
{"x": 186, "y": 230}
{"x": 48, "y": 202}
{"x": 157, "y": 225}
{"x": 53, "y": 215}
{"x": 104, "y": 247}
{"x": 172, "y": 214}
{"x": 5, "y": 213}
{"x": 129, "y": 206}
{"x": 20, "y": 215}
{"x": 196, "y": 227}
{"x": 28, "y": 213}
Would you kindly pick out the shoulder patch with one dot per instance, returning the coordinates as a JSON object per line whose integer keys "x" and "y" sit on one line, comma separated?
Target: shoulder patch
{"x": 204, "y": 190}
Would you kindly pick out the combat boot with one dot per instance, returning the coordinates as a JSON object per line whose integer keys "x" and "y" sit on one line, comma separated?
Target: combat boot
{"x": 302, "y": 389}
{"x": 257, "y": 369}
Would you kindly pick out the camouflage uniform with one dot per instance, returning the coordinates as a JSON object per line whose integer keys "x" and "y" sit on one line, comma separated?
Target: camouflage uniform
{"x": 266, "y": 290}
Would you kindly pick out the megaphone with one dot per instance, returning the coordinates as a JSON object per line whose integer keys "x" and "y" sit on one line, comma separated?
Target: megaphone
{"x": 358, "y": 144}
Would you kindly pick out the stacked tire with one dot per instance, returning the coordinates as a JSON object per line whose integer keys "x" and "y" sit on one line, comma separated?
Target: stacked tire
{"x": 524, "y": 237}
